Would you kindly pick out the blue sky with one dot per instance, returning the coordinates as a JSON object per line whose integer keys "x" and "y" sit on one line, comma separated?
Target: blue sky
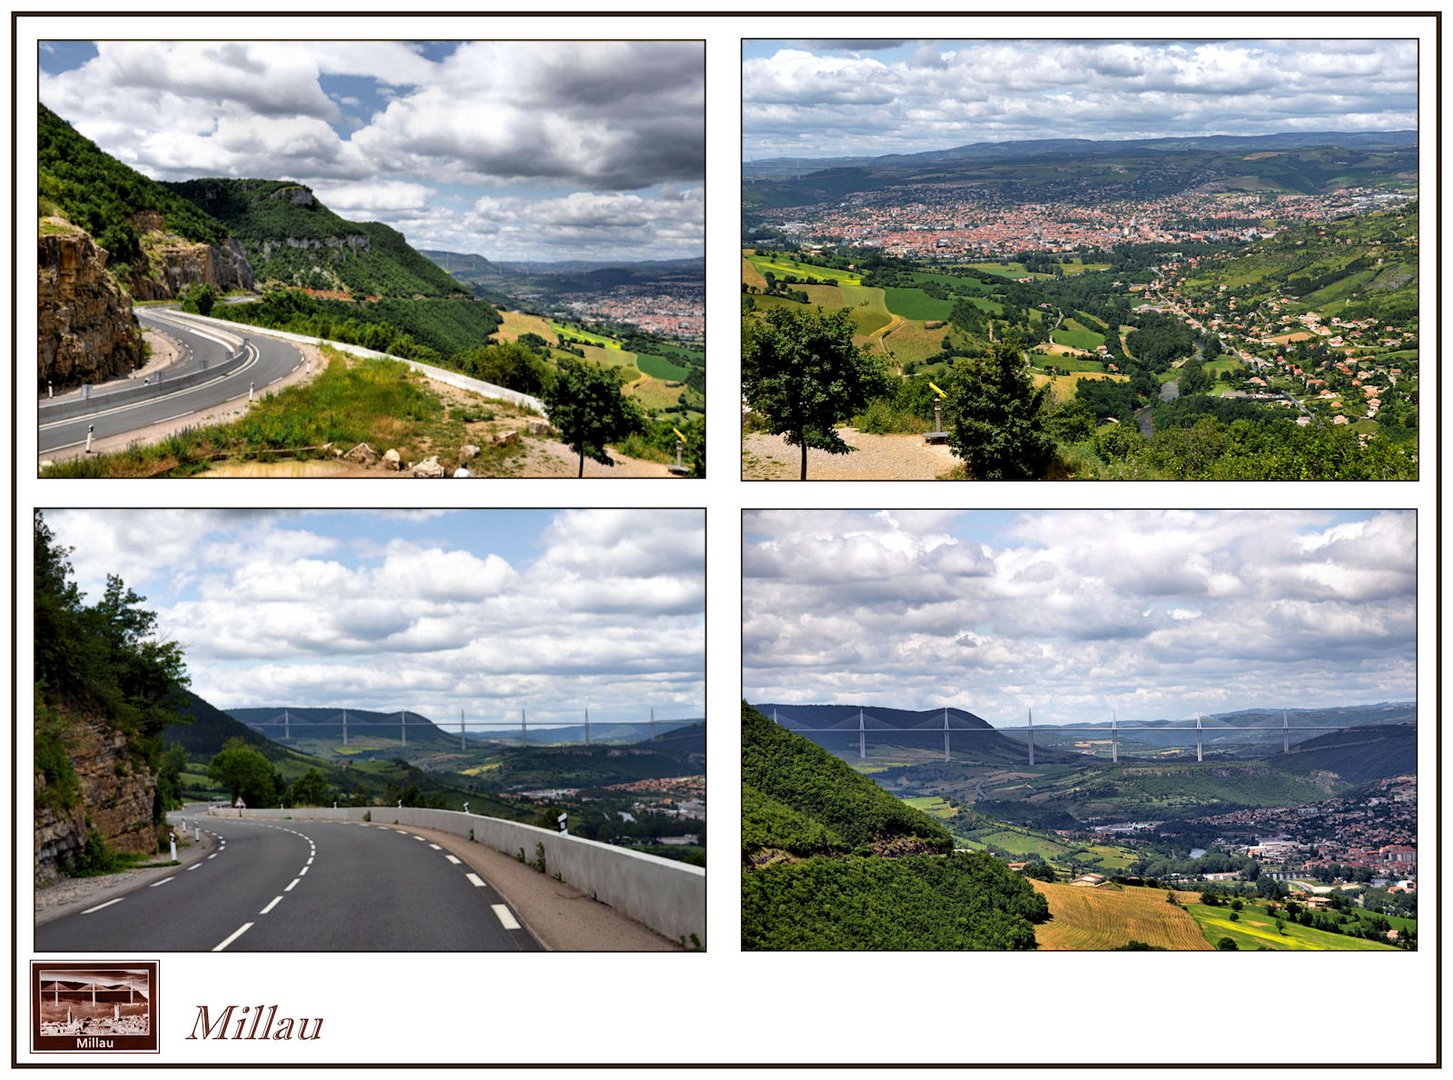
{"x": 836, "y": 98}
{"x": 512, "y": 150}
{"x": 1157, "y": 614}
{"x": 486, "y": 610}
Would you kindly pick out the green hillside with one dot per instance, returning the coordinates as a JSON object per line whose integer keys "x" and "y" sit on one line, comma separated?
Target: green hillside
{"x": 293, "y": 239}
{"x": 901, "y": 887}
{"x": 90, "y": 188}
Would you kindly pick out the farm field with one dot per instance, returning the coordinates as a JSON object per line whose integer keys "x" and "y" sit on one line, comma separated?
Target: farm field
{"x": 1064, "y": 385}
{"x": 1019, "y": 843}
{"x": 581, "y": 334}
{"x": 916, "y": 304}
{"x": 932, "y": 805}
{"x": 912, "y": 340}
{"x": 1255, "y": 929}
{"x": 1112, "y": 916}
{"x": 514, "y": 324}
{"x": 660, "y": 368}
{"x": 1077, "y": 335}
{"x": 783, "y": 266}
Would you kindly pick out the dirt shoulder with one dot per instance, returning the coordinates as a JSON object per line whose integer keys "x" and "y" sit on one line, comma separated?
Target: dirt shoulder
{"x": 874, "y": 457}
{"x": 69, "y": 895}
{"x": 562, "y": 918}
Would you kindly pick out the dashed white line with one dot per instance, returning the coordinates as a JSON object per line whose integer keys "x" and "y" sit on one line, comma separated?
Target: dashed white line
{"x": 108, "y": 903}
{"x": 274, "y": 902}
{"x": 475, "y": 880}
{"x": 234, "y": 936}
{"x": 292, "y": 884}
{"x": 214, "y": 854}
{"x": 163, "y": 881}
{"x": 436, "y": 847}
{"x": 309, "y": 862}
{"x": 506, "y": 918}
{"x": 194, "y": 866}
{"x": 303, "y": 871}
{"x": 452, "y": 859}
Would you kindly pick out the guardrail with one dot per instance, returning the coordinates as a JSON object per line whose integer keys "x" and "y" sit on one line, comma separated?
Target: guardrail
{"x": 158, "y": 386}
{"x": 434, "y": 374}
{"x": 667, "y": 896}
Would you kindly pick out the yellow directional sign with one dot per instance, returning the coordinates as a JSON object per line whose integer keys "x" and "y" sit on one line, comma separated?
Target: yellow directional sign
{"x": 937, "y": 391}
{"x": 678, "y": 434}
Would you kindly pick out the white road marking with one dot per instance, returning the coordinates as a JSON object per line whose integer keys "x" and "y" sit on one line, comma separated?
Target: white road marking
{"x": 194, "y": 866}
{"x": 436, "y": 847}
{"x": 163, "y": 881}
{"x": 291, "y": 886}
{"x": 303, "y": 871}
{"x": 452, "y": 859}
{"x": 475, "y": 881}
{"x": 418, "y": 838}
{"x": 108, "y": 903}
{"x": 234, "y": 936}
{"x": 506, "y": 919}
{"x": 276, "y": 900}
{"x": 214, "y": 854}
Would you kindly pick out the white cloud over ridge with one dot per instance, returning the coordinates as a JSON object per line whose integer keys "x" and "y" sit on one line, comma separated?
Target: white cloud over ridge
{"x": 606, "y": 612}
{"x": 826, "y": 100}
{"x": 1160, "y": 614}
{"x": 547, "y": 125}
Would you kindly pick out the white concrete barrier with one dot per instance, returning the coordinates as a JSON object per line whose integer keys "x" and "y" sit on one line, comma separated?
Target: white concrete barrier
{"x": 667, "y": 896}
{"x": 434, "y": 374}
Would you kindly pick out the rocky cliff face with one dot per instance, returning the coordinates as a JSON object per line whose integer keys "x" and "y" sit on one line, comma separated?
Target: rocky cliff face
{"x": 117, "y": 792}
{"x": 174, "y": 264}
{"x": 86, "y": 330}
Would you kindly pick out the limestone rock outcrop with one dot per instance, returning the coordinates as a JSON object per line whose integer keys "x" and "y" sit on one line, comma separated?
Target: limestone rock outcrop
{"x": 117, "y": 790}
{"x": 174, "y": 264}
{"x": 86, "y": 329}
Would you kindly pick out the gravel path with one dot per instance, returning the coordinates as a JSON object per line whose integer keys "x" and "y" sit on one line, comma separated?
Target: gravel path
{"x": 874, "y": 457}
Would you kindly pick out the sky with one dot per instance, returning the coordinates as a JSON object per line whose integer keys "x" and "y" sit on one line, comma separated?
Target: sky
{"x": 839, "y": 98}
{"x": 1156, "y": 614}
{"x": 523, "y": 150}
{"x": 486, "y": 610}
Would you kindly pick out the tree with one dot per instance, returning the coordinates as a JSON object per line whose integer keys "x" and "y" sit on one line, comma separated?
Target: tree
{"x": 586, "y": 404}
{"x": 243, "y": 771}
{"x": 1226, "y": 944}
{"x": 199, "y": 298}
{"x": 310, "y": 789}
{"x": 999, "y": 423}
{"x": 804, "y": 376}
{"x": 512, "y": 364}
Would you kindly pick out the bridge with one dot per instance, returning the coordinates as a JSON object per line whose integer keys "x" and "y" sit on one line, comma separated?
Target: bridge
{"x": 890, "y": 733}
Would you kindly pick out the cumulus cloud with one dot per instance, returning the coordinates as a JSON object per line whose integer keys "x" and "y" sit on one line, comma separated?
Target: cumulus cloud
{"x": 809, "y": 97}
{"x": 1071, "y": 612}
{"x": 598, "y": 147}
{"x": 606, "y": 611}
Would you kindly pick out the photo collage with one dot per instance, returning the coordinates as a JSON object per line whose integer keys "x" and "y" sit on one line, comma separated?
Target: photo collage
{"x": 1057, "y": 512}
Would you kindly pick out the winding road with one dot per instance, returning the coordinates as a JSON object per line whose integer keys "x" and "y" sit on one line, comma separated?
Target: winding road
{"x": 268, "y": 360}
{"x": 303, "y": 886}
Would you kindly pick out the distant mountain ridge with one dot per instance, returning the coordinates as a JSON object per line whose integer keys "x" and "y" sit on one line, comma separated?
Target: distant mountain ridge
{"x": 1025, "y": 149}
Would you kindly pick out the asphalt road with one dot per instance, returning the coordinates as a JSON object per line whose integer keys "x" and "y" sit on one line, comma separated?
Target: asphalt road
{"x": 302, "y": 886}
{"x": 273, "y": 359}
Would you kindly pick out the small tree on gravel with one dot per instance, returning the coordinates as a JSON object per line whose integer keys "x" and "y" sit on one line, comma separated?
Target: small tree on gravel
{"x": 804, "y": 376}
{"x": 584, "y": 401}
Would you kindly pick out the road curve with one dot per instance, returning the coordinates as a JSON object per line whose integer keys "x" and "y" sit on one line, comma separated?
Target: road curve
{"x": 302, "y": 886}
{"x": 271, "y": 360}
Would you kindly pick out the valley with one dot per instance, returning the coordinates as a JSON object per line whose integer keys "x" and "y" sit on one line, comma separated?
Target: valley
{"x": 270, "y": 255}
{"x": 1171, "y": 309}
{"x": 1325, "y": 833}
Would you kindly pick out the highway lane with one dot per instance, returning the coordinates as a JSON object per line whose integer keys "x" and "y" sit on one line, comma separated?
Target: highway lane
{"x": 272, "y": 360}
{"x": 302, "y": 886}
